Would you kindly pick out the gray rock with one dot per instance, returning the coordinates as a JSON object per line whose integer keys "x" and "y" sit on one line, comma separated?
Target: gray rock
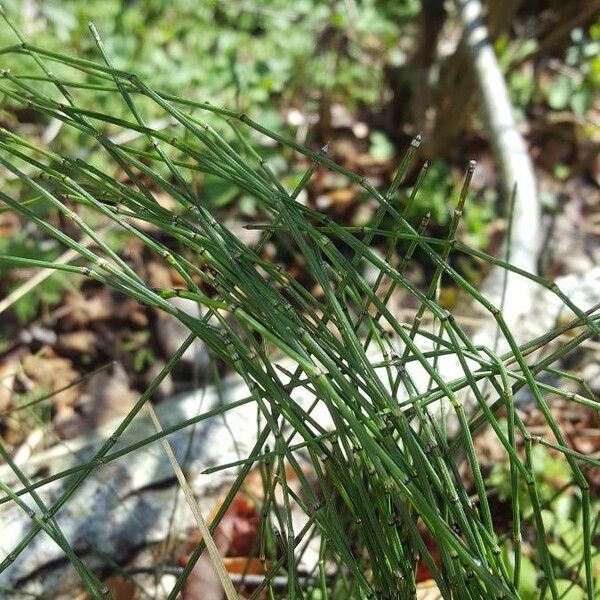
{"x": 591, "y": 375}
{"x": 128, "y": 503}
{"x": 172, "y": 333}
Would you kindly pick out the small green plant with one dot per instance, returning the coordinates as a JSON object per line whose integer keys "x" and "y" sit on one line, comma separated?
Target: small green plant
{"x": 48, "y": 292}
{"x": 574, "y": 81}
{"x": 575, "y": 88}
{"x": 386, "y": 471}
{"x": 562, "y": 517}
{"x": 136, "y": 343}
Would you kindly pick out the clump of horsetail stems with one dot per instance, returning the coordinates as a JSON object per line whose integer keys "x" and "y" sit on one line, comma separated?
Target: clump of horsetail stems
{"x": 386, "y": 462}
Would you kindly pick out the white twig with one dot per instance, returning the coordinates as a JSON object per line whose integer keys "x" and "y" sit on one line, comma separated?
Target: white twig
{"x": 516, "y": 168}
{"x": 211, "y": 547}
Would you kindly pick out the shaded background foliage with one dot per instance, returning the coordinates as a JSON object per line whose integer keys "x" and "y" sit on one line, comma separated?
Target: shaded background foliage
{"x": 365, "y": 76}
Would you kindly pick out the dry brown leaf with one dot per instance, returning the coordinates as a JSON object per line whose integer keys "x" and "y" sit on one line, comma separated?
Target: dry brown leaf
{"x": 342, "y": 197}
{"x": 235, "y": 538}
{"x": 95, "y": 305}
{"x": 119, "y": 588}
{"x": 131, "y": 310}
{"x": 8, "y": 371}
{"x": 158, "y": 275}
{"x": 244, "y": 565}
{"x": 107, "y": 396}
{"x": 52, "y": 373}
{"x": 79, "y": 342}
{"x": 203, "y": 582}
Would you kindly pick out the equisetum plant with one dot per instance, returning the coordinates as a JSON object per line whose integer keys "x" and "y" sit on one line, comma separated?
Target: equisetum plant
{"x": 386, "y": 469}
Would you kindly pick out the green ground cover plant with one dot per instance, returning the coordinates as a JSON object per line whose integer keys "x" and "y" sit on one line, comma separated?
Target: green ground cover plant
{"x": 387, "y": 472}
